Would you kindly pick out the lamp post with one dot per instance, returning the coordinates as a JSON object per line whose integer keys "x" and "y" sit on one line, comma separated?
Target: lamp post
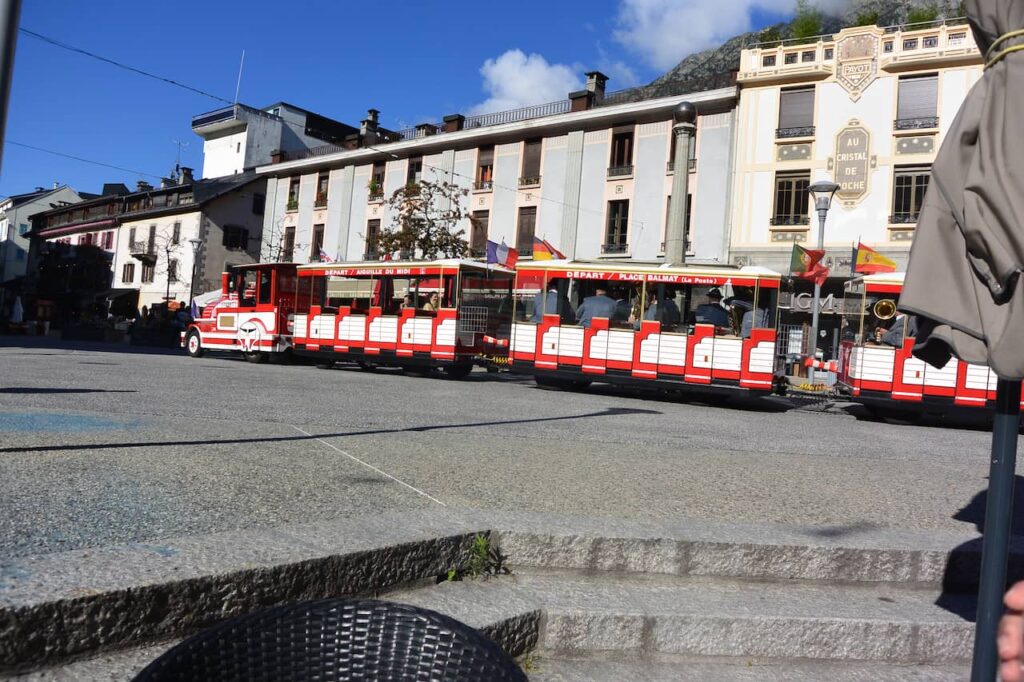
{"x": 822, "y": 193}
{"x": 196, "y": 244}
{"x": 685, "y": 114}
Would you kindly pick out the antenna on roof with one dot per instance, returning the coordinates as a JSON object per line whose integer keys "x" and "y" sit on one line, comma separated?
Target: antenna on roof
{"x": 177, "y": 159}
{"x": 239, "y": 84}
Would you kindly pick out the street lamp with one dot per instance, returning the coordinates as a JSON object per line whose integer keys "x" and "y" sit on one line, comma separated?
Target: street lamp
{"x": 685, "y": 115}
{"x": 196, "y": 244}
{"x": 822, "y": 193}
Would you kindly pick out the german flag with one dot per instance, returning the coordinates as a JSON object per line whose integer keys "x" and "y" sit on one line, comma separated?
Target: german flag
{"x": 869, "y": 261}
{"x": 542, "y": 250}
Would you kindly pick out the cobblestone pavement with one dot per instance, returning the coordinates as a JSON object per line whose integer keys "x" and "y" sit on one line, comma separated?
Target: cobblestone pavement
{"x": 101, "y": 445}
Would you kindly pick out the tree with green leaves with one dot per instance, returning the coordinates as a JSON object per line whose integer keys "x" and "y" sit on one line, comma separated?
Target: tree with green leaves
{"x": 806, "y": 21}
{"x": 867, "y": 17}
{"x": 425, "y": 222}
{"x": 922, "y": 15}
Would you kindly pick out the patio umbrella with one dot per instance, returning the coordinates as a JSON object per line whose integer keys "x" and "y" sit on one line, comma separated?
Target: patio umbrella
{"x": 963, "y": 281}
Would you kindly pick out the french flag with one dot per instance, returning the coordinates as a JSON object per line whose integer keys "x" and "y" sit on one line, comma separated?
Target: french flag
{"x": 501, "y": 254}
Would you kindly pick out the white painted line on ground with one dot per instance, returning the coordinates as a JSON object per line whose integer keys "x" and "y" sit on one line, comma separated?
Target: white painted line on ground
{"x": 369, "y": 466}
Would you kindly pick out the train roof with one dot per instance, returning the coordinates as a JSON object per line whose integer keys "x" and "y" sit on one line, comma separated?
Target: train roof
{"x": 881, "y": 278}
{"x": 402, "y": 264}
{"x": 653, "y": 267}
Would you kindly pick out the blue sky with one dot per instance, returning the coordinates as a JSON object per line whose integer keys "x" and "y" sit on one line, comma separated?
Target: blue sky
{"x": 414, "y": 61}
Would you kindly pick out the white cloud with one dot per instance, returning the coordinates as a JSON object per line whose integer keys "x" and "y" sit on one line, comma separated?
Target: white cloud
{"x": 516, "y": 80}
{"x": 662, "y": 32}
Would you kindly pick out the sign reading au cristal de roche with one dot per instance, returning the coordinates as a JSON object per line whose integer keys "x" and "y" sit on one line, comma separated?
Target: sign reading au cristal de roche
{"x": 852, "y": 162}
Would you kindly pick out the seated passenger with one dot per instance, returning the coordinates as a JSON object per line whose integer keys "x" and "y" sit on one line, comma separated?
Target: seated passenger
{"x": 552, "y": 303}
{"x": 712, "y": 312}
{"x": 623, "y": 309}
{"x": 668, "y": 315}
{"x": 433, "y": 303}
{"x": 894, "y": 336}
{"x": 406, "y": 302}
{"x": 598, "y": 305}
{"x": 751, "y": 317}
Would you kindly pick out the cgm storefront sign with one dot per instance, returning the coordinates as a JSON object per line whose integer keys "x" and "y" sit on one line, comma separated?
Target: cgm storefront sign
{"x": 851, "y": 166}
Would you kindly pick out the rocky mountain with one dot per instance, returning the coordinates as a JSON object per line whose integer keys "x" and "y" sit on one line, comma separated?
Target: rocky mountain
{"x": 712, "y": 68}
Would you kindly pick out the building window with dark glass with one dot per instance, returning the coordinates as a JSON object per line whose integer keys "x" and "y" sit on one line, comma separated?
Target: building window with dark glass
{"x": 172, "y": 270}
{"x": 768, "y": 60}
{"x": 148, "y": 273}
{"x": 796, "y": 113}
{"x": 128, "y": 273}
{"x": 372, "y": 235}
{"x": 621, "y": 162}
{"x": 480, "y": 222}
{"x": 376, "y": 186}
{"x": 790, "y": 57}
{"x": 525, "y": 230}
{"x": 317, "y": 243}
{"x": 909, "y": 185}
{"x": 293, "y": 195}
{"x": 616, "y": 235}
{"x": 917, "y": 103}
{"x": 791, "y": 198}
{"x": 415, "y": 171}
{"x": 176, "y": 233}
{"x": 485, "y": 168}
{"x": 530, "y": 176}
{"x": 235, "y": 237}
{"x": 259, "y": 203}
{"x": 288, "y": 244}
{"x": 321, "y": 190}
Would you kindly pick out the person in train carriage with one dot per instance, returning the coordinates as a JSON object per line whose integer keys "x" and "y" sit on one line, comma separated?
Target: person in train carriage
{"x": 433, "y": 303}
{"x": 712, "y": 312}
{"x": 752, "y": 317}
{"x": 668, "y": 312}
{"x": 598, "y": 305}
{"x": 552, "y": 303}
{"x": 623, "y": 305}
{"x": 894, "y": 335}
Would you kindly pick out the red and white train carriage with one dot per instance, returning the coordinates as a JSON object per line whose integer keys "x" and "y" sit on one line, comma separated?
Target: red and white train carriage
{"x": 876, "y": 366}
{"x": 677, "y": 348}
{"x": 252, "y": 315}
{"x": 417, "y": 315}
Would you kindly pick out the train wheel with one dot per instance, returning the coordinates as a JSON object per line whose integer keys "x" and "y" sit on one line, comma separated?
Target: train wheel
{"x": 580, "y": 384}
{"x": 194, "y": 344}
{"x": 460, "y": 371}
{"x": 366, "y": 366}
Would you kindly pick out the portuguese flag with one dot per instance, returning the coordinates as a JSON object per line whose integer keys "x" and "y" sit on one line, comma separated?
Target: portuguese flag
{"x": 806, "y": 264}
{"x": 869, "y": 261}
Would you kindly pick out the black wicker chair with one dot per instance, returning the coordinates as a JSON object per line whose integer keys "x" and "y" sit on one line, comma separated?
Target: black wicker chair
{"x": 335, "y": 639}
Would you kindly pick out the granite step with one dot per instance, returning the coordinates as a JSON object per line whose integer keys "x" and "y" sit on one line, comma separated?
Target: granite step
{"x": 644, "y": 616}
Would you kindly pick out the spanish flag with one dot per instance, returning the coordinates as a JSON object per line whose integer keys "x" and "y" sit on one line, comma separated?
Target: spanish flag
{"x": 542, "y": 250}
{"x": 869, "y": 261}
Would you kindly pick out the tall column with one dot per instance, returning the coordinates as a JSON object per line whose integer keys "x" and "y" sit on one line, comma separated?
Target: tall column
{"x": 573, "y": 178}
{"x": 9, "y": 12}
{"x": 675, "y": 235}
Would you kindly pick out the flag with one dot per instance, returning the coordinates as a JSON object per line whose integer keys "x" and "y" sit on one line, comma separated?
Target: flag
{"x": 501, "y": 254}
{"x": 543, "y": 250}
{"x": 324, "y": 258}
{"x": 195, "y": 310}
{"x": 870, "y": 261}
{"x": 806, "y": 264}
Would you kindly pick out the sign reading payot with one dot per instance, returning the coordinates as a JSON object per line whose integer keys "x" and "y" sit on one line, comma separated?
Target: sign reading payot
{"x": 852, "y": 163}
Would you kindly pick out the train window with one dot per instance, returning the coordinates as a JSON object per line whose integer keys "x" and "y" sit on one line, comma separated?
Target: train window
{"x": 265, "y": 286}
{"x": 349, "y": 291}
{"x": 628, "y": 299}
{"x": 528, "y": 286}
{"x": 485, "y": 303}
{"x": 303, "y": 294}
{"x": 246, "y": 288}
{"x": 285, "y": 285}
{"x": 661, "y": 303}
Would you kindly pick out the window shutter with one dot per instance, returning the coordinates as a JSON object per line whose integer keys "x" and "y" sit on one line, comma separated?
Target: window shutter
{"x": 918, "y": 97}
{"x": 486, "y": 156}
{"x": 531, "y": 159}
{"x": 796, "y": 108}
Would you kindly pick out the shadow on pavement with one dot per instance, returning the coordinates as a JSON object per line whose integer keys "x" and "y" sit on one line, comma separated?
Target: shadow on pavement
{"x": 32, "y": 389}
{"x": 40, "y": 342}
{"x": 963, "y": 568}
{"x": 608, "y": 412}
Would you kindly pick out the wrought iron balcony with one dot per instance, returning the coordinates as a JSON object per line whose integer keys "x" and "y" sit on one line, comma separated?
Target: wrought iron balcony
{"x": 670, "y": 167}
{"x": 525, "y": 250}
{"x": 484, "y": 185}
{"x": 144, "y": 251}
{"x": 907, "y": 218}
{"x": 916, "y": 123}
{"x": 292, "y": 205}
{"x": 321, "y": 201}
{"x": 376, "y": 195}
{"x": 802, "y": 131}
{"x": 615, "y": 248}
{"x": 785, "y": 220}
{"x": 620, "y": 171}
{"x": 529, "y": 181}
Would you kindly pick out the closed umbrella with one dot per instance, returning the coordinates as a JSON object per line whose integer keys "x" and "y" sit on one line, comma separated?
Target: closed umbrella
{"x": 963, "y": 280}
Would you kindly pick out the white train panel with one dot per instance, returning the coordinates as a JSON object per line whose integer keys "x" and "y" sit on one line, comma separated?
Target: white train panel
{"x": 352, "y": 328}
{"x": 874, "y": 364}
{"x": 384, "y": 330}
{"x": 299, "y": 323}
{"x": 703, "y": 353}
{"x": 649, "y": 349}
{"x": 672, "y": 350}
{"x": 446, "y": 333}
{"x": 620, "y": 345}
{"x": 524, "y": 338}
{"x": 321, "y": 327}
{"x": 417, "y": 331}
{"x": 913, "y": 372}
{"x": 762, "y": 358}
{"x": 945, "y": 377}
{"x": 728, "y": 354}
{"x": 570, "y": 341}
{"x": 549, "y": 341}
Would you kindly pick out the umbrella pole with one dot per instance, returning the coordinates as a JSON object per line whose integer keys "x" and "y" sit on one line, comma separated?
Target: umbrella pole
{"x": 996, "y": 534}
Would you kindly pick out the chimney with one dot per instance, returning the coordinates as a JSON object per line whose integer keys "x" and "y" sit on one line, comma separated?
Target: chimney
{"x": 426, "y": 129}
{"x": 143, "y": 186}
{"x": 595, "y": 84}
{"x": 166, "y": 182}
{"x": 56, "y": 185}
{"x": 454, "y": 122}
{"x": 368, "y": 127}
{"x": 581, "y": 100}
{"x": 186, "y": 176}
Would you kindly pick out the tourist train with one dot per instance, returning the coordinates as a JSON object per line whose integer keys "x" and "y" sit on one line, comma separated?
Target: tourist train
{"x": 569, "y": 323}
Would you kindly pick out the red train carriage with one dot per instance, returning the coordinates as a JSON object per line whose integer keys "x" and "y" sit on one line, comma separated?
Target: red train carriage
{"x": 876, "y": 367}
{"x": 667, "y": 328}
{"x": 416, "y": 315}
{"x": 253, "y": 314}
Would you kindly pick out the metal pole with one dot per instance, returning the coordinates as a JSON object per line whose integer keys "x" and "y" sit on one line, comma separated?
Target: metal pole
{"x": 9, "y": 13}
{"x": 816, "y": 305}
{"x": 675, "y": 235}
{"x": 996, "y": 539}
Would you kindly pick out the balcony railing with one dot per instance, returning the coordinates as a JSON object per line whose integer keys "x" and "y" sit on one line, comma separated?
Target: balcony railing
{"x": 215, "y": 116}
{"x": 514, "y": 115}
{"x": 689, "y": 247}
{"x": 916, "y": 123}
{"x": 670, "y": 167}
{"x": 620, "y": 171}
{"x": 525, "y": 250}
{"x": 142, "y": 249}
{"x": 803, "y": 131}
{"x": 529, "y": 181}
{"x": 615, "y": 248}
{"x": 321, "y": 201}
{"x": 483, "y": 185}
{"x": 376, "y": 195}
{"x": 907, "y": 218}
{"x": 478, "y": 252}
{"x": 786, "y": 220}
{"x": 292, "y": 205}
